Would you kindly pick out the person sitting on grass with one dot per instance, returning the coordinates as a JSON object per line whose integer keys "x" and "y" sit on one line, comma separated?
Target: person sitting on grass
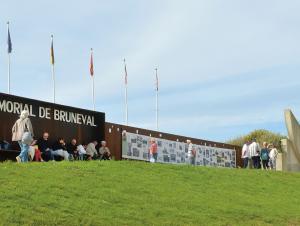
{"x": 91, "y": 151}
{"x": 81, "y": 149}
{"x": 45, "y": 147}
{"x": 34, "y": 152}
{"x": 60, "y": 149}
{"x": 104, "y": 151}
{"x": 72, "y": 148}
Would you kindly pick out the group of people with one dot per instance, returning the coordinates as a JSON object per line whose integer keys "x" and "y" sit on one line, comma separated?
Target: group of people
{"x": 256, "y": 157}
{"x": 44, "y": 150}
{"x": 153, "y": 151}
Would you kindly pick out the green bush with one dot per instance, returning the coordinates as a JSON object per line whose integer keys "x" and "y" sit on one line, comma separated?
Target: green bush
{"x": 261, "y": 136}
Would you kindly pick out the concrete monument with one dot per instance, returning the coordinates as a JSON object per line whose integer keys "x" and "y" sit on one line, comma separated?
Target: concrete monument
{"x": 291, "y": 145}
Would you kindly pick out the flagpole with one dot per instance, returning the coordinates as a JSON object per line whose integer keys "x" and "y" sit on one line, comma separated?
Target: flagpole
{"x": 8, "y": 56}
{"x": 156, "y": 99}
{"x": 93, "y": 93}
{"x": 53, "y": 71}
{"x": 126, "y": 95}
{"x": 93, "y": 78}
{"x": 53, "y": 77}
{"x": 8, "y": 73}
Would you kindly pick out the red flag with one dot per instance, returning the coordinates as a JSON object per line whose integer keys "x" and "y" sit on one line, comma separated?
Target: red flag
{"x": 92, "y": 64}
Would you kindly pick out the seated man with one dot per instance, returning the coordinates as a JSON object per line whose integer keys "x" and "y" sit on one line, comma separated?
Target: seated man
{"x": 60, "y": 149}
{"x": 72, "y": 148}
{"x": 91, "y": 151}
{"x": 104, "y": 151}
{"x": 81, "y": 149}
{"x": 45, "y": 147}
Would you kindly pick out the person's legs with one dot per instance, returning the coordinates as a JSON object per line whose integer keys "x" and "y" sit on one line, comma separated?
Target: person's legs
{"x": 245, "y": 165}
{"x": 193, "y": 162}
{"x": 66, "y": 155}
{"x": 18, "y": 158}
{"x": 273, "y": 164}
{"x": 253, "y": 162}
{"x": 258, "y": 163}
{"x": 264, "y": 163}
{"x": 155, "y": 156}
{"x": 24, "y": 152}
{"x": 47, "y": 156}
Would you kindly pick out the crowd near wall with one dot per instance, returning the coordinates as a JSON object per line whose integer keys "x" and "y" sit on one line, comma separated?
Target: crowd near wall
{"x": 58, "y": 120}
{"x": 86, "y": 126}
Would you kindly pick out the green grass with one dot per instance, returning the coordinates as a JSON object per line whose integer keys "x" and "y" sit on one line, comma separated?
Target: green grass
{"x": 137, "y": 193}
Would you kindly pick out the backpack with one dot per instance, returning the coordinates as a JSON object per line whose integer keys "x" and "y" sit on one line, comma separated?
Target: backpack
{"x": 265, "y": 155}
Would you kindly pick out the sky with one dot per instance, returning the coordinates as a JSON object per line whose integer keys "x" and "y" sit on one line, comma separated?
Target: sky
{"x": 225, "y": 67}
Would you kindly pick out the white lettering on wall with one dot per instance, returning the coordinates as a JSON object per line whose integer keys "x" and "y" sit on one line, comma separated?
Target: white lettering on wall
{"x": 45, "y": 113}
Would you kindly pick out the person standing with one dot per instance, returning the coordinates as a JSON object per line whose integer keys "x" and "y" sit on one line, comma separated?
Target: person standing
{"x": 264, "y": 155}
{"x": 22, "y": 125}
{"x": 245, "y": 154}
{"x": 191, "y": 152}
{"x": 153, "y": 149}
{"x": 254, "y": 151}
{"x": 273, "y": 156}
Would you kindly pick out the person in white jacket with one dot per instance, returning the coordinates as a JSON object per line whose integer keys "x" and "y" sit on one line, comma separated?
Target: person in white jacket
{"x": 273, "y": 156}
{"x": 254, "y": 150}
{"x": 22, "y": 125}
{"x": 245, "y": 154}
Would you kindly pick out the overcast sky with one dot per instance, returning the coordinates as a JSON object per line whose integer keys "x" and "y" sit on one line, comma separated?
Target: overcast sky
{"x": 225, "y": 67}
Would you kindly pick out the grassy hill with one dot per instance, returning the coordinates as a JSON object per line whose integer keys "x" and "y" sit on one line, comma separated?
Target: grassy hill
{"x": 138, "y": 193}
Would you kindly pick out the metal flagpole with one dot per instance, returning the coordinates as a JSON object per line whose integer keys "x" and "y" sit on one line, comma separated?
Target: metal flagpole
{"x": 8, "y": 55}
{"x": 53, "y": 77}
{"x": 8, "y": 73}
{"x": 53, "y": 71}
{"x": 156, "y": 99}
{"x": 93, "y": 93}
{"x": 126, "y": 95}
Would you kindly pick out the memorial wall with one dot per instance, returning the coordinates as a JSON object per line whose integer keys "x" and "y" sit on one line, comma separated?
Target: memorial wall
{"x": 58, "y": 120}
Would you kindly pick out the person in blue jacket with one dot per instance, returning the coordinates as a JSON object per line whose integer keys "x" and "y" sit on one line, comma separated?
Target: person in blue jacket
{"x": 264, "y": 155}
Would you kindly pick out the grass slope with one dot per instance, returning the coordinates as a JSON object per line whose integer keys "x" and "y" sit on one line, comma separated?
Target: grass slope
{"x": 137, "y": 193}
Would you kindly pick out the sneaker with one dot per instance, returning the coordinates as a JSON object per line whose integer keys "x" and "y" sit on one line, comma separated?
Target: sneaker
{"x": 18, "y": 159}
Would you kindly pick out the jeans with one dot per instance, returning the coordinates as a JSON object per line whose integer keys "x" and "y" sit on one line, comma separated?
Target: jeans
{"x": 273, "y": 164}
{"x": 48, "y": 155}
{"x": 61, "y": 153}
{"x": 24, "y": 151}
{"x": 255, "y": 161}
{"x": 155, "y": 156}
{"x": 192, "y": 160}
{"x": 81, "y": 157}
{"x": 245, "y": 162}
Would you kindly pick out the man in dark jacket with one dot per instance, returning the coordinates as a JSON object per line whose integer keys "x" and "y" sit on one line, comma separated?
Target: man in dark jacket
{"x": 72, "y": 148}
{"x": 60, "y": 149}
{"x": 45, "y": 147}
